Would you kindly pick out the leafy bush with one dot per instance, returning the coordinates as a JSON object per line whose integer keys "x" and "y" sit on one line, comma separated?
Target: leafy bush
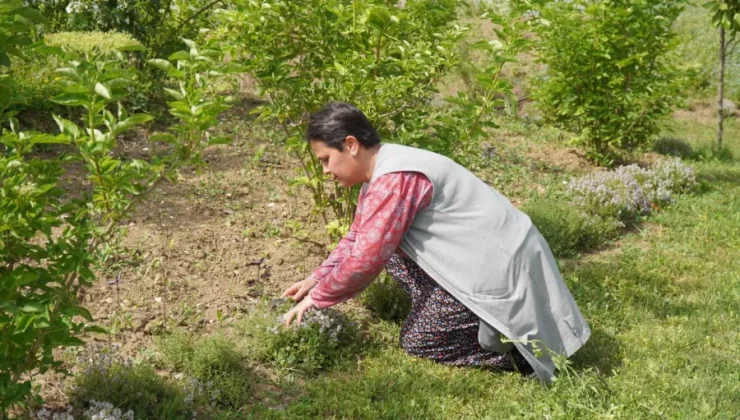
{"x": 324, "y": 339}
{"x": 568, "y": 228}
{"x": 134, "y": 387}
{"x": 157, "y": 24}
{"x": 608, "y": 77}
{"x": 215, "y": 362}
{"x": 385, "y": 57}
{"x": 50, "y": 242}
{"x": 16, "y": 24}
{"x": 387, "y": 299}
{"x": 36, "y": 80}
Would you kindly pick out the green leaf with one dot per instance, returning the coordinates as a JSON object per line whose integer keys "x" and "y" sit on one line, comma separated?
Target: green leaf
{"x": 69, "y": 72}
{"x": 96, "y": 329}
{"x": 340, "y": 68}
{"x": 26, "y": 278}
{"x": 132, "y": 47}
{"x": 66, "y": 126}
{"x": 73, "y": 342}
{"x": 163, "y": 137}
{"x": 481, "y": 45}
{"x": 34, "y": 307}
{"x": 161, "y": 64}
{"x": 175, "y": 94}
{"x": 48, "y": 139}
{"x": 137, "y": 119}
{"x": 379, "y": 18}
{"x": 180, "y": 55}
{"x": 31, "y": 14}
{"x": 103, "y": 91}
{"x": 233, "y": 68}
{"x": 4, "y": 59}
{"x": 220, "y": 140}
{"x": 85, "y": 272}
{"x": 71, "y": 99}
{"x": 189, "y": 43}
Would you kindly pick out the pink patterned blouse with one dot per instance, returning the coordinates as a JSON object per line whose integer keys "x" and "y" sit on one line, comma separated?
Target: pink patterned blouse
{"x": 385, "y": 211}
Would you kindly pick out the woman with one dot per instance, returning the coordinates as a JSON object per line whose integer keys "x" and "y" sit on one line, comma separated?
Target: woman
{"x": 475, "y": 267}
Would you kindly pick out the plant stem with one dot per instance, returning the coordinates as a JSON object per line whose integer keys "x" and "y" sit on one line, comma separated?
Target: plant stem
{"x": 721, "y": 87}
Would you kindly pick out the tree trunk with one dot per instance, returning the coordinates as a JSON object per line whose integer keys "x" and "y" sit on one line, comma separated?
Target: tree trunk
{"x": 721, "y": 87}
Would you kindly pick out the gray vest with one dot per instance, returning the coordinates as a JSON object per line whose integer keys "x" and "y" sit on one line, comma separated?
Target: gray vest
{"x": 487, "y": 254}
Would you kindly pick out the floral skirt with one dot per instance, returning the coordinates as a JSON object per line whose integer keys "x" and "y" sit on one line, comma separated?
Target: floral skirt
{"x": 439, "y": 327}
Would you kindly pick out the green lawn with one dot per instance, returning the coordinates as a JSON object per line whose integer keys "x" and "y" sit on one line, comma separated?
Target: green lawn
{"x": 664, "y": 306}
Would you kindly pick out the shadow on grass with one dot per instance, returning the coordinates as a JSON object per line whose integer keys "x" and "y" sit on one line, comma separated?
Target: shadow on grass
{"x": 602, "y": 352}
{"x": 715, "y": 174}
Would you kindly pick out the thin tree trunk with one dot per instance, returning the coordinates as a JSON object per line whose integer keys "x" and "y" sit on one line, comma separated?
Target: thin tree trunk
{"x": 721, "y": 87}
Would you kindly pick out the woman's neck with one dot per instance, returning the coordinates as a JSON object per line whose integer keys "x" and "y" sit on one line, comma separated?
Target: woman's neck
{"x": 372, "y": 154}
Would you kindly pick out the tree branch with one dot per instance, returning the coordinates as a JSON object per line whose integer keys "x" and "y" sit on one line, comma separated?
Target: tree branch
{"x": 195, "y": 15}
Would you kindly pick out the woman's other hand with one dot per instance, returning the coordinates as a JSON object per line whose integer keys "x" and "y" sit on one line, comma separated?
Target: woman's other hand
{"x": 299, "y": 310}
{"x": 300, "y": 289}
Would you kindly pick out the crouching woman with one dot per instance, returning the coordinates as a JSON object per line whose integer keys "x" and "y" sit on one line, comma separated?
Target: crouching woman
{"x": 475, "y": 267}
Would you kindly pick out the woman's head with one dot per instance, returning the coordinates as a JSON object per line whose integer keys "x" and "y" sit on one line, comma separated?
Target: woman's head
{"x": 344, "y": 141}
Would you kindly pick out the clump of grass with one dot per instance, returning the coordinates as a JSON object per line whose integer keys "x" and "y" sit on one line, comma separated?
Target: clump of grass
{"x": 567, "y": 228}
{"x": 325, "y": 339}
{"x": 212, "y": 364}
{"x": 387, "y": 299}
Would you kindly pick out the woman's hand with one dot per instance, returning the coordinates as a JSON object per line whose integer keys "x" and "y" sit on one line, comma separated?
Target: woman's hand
{"x": 300, "y": 289}
{"x": 300, "y": 309}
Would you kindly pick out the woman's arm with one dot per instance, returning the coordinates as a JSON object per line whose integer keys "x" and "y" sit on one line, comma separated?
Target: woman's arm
{"x": 387, "y": 211}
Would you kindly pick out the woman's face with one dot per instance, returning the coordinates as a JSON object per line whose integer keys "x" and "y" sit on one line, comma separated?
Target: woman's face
{"x": 343, "y": 166}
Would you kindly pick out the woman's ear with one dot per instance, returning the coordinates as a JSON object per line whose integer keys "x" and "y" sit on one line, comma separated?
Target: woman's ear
{"x": 351, "y": 143}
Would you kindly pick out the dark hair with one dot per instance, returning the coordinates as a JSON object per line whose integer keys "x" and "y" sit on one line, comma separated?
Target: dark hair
{"x": 337, "y": 120}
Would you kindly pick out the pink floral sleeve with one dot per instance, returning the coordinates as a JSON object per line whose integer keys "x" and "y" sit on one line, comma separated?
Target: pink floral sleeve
{"x": 384, "y": 214}
{"x": 342, "y": 250}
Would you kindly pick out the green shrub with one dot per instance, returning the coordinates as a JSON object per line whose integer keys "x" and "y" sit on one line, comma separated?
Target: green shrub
{"x": 157, "y": 24}
{"x": 608, "y": 74}
{"x": 213, "y": 361}
{"x": 51, "y": 244}
{"x": 324, "y": 339}
{"x": 385, "y": 57}
{"x": 133, "y": 387}
{"x": 387, "y": 299}
{"x": 567, "y": 228}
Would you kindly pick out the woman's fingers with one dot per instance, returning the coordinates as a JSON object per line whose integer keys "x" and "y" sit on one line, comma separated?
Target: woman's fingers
{"x": 292, "y": 290}
{"x": 289, "y": 317}
{"x": 299, "y": 310}
{"x": 303, "y": 291}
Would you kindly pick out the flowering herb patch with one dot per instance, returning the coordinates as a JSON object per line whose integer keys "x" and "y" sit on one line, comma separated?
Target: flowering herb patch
{"x": 629, "y": 192}
{"x": 324, "y": 338}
